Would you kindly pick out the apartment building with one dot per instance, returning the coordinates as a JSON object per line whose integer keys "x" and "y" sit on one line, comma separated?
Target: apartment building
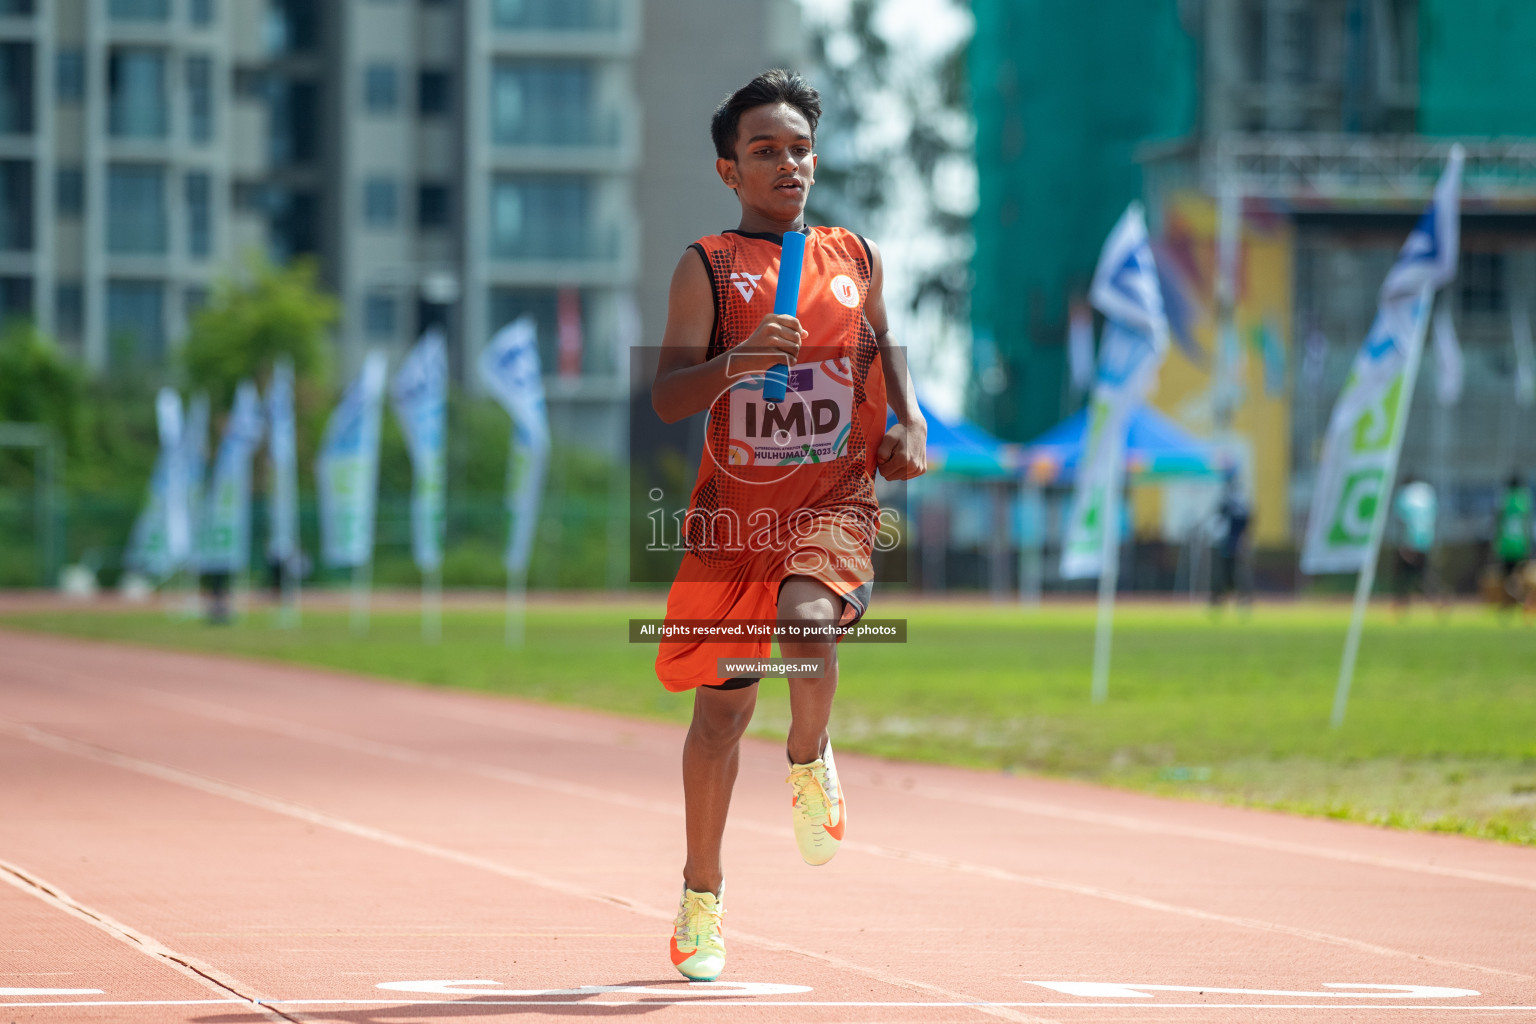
{"x": 463, "y": 162}
{"x": 117, "y": 152}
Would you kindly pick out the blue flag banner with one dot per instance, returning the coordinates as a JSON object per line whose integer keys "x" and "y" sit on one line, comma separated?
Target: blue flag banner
{"x": 283, "y": 461}
{"x": 161, "y": 542}
{"x": 348, "y": 469}
{"x": 419, "y": 393}
{"x": 225, "y": 541}
{"x": 194, "y": 453}
{"x": 178, "y": 507}
{"x": 509, "y": 369}
{"x": 146, "y": 544}
{"x": 1125, "y": 289}
{"x": 1366, "y": 428}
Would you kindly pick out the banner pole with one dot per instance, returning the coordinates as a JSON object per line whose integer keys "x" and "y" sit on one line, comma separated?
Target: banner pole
{"x": 517, "y": 599}
{"x": 1031, "y": 539}
{"x": 288, "y": 595}
{"x": 432, "y": 606}
{"x": 1367, "y": 578}
{"x": 1109, "y": 582}
{"x": 362, "y": 579}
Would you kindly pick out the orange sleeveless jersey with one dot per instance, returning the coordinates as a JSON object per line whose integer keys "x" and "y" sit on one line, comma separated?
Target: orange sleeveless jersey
{"x": 816, "y": 450}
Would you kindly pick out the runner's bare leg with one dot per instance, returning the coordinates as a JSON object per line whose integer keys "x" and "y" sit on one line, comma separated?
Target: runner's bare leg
{"x": 711, "y": 755}
{"x": 802, "y": 598}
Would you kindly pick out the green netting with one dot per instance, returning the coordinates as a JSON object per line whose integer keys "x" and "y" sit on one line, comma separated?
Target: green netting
{"x": 1476, "y": 72}
{"x": 1063, "y": 94}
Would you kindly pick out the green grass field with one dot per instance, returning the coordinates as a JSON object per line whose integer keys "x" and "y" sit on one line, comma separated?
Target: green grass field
{"x": 1441, "y": 732}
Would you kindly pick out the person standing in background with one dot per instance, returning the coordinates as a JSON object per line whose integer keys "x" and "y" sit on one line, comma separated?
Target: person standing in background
{"x": 1512, "y": 535}
{"x": 1414, "y": 509}
{"x": 1232, "y": 520}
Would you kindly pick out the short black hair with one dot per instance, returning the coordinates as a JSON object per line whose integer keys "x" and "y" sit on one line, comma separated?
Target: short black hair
{"x": 776, "y": 86}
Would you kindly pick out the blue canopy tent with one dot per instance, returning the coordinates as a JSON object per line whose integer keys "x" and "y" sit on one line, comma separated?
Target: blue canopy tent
{"x": 1156, "y": 449}
{"x": 964, "y": 449}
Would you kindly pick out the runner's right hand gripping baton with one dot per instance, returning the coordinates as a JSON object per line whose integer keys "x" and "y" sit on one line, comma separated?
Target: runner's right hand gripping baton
{"x": 786, "y": 302}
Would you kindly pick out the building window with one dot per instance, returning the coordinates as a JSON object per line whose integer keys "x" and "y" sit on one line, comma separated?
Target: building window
{"x": 200, "y": 99}
{"x": 294, "y": 122}
{"x": 68, "y": 309}
{"x": 136, "y": 220}
{"x": 381, "y": 202}
{"x": 381, "y": 88}
{"x": 541, "y": 217}
{"x": 16, "y": 205}
{"x": 434, "y": 93}
{"x": 1254, "y": 40}
{"x": 69, "y": 76}
{"x": 16, "y": 88}
{"x": 199, "y": 214}
{"x": 380, "y": 311}
{"x": 542, "y": 102}
{"x": 200, "y": 12}
{"x": 293, "y": 223}
{"x": 292, "y": 26}
{"x": 15, "y": 297}
{"x": 1298, "y": 47}
{"x": 555, "y": 14}
{"x": 137, "y": 107}
{"x": 136, "y": 322}
{"x": 433, "y": 206}
{"x": 139, "y": 10}
{"x": 1481, "y": 280}
{"x": 69, "y": 191}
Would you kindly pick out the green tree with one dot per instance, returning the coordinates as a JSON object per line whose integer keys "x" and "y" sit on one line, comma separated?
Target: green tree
{"x": 38, "y": 384}
{"x": 253, "y": 318}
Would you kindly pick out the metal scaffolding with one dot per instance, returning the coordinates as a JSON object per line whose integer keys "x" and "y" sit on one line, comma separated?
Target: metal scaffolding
{"x": 1301, "y": 168}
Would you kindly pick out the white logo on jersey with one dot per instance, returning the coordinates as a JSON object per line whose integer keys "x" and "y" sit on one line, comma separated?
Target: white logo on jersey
{"x": 746, "y": 284}
{"x": 845, "y": 291}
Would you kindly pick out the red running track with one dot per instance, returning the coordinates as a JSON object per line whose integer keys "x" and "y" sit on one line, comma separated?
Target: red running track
{"x": 188, "y": 838}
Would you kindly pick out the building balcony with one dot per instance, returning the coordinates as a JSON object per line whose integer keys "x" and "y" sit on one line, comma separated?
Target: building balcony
{"x": 564, "y": 28}
{"x": 614, "y": 44}
{"x": 609, "y": 270}
{"x": 616, "y": 157}
{"x": 19, "y": 26}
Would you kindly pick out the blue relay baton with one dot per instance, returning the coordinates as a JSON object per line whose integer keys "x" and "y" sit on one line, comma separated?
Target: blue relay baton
{"x": 786, "y": 301}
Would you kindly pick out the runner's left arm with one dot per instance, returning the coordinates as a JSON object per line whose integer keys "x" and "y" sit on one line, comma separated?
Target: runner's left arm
{"x": 903, "y": 451}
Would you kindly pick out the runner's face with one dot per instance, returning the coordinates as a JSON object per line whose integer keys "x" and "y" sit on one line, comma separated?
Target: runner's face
{"x": 774, "y": 167}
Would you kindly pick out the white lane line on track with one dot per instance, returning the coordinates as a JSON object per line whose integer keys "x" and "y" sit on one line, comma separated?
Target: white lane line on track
{"x": 1252, "y": 923}
{"x": 925, "y": 790}
{"x": 215, "y": 787}
{"x": 203, "y": 974}
{"x": 135, "y": 1002}
{"x": 944, "y": 793}
{"x": 770, "y": 1003}
{"x": 1149, "y": 827}
{"x": 313, "y": 734}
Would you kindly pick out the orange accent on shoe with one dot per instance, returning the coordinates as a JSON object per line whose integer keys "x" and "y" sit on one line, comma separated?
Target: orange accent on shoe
{"x": 678, "y": 956}
{"x": 835, "y": 831}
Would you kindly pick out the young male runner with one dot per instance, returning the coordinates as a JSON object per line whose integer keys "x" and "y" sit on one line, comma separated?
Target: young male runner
{"x": 783, "y": 517}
